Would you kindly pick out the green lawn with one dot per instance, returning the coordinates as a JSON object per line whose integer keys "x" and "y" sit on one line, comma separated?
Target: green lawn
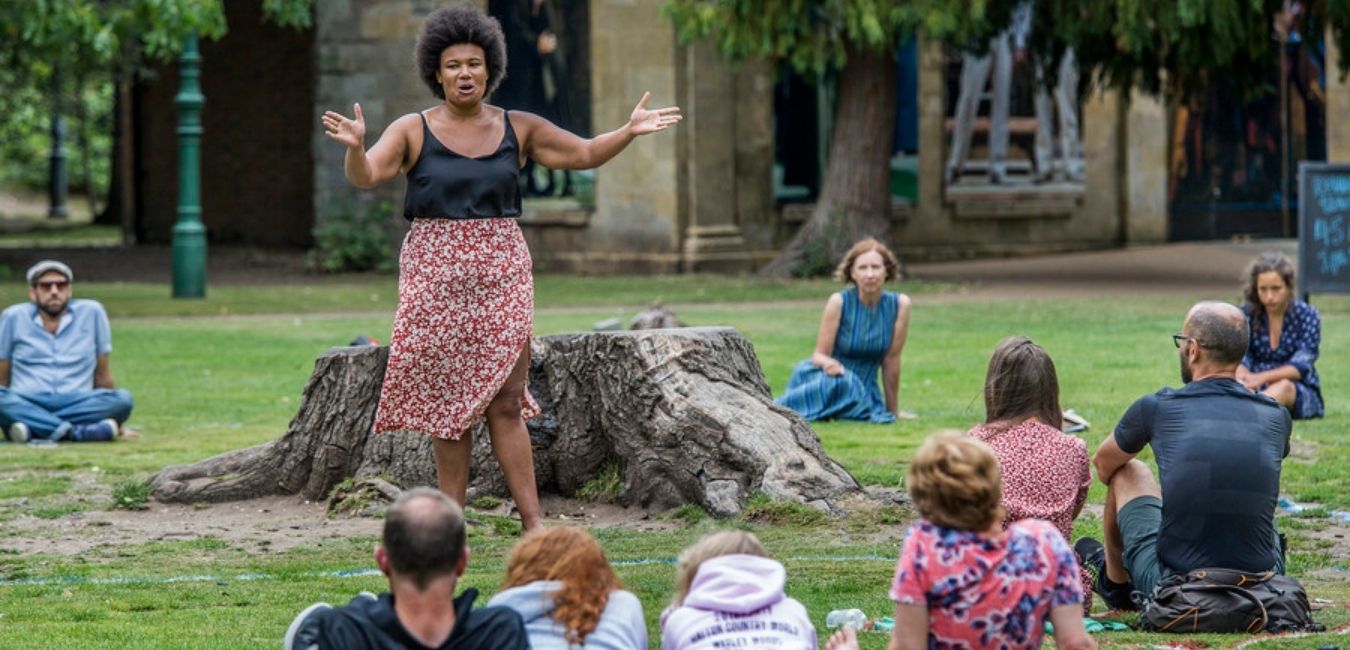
{"x": 206, "y": 384}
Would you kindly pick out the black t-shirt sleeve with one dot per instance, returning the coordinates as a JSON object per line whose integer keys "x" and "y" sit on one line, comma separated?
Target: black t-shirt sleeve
{"x": 1135, "y": 428}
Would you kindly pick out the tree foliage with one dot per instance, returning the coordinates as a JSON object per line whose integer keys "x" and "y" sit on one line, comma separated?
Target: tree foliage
{"x": 816, "y": 35}
{"x": 98, "y": 33}
{"x": 1176, "y": 47}
{"x": 1167, "y": 47}
{"x": 90, "y": 43}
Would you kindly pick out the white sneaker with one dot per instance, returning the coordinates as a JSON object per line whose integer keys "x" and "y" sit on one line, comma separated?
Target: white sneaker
{"x": 1073, "y": 422}
{"x": 18, "y": 433}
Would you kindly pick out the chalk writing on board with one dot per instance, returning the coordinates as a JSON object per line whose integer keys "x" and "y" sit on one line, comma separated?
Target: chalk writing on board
{"x": 1329, "y": 232}
{"x": 1331, "y": 262}
{"x": 1324, "y": 227}
{"x": 1332, "y": 192}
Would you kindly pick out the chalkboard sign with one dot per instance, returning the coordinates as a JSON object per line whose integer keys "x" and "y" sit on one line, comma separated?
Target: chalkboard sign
{"x": 1323, "y": 228}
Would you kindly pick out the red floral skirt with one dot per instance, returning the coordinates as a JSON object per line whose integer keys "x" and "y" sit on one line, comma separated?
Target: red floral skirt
{"x": 465, "y": 312}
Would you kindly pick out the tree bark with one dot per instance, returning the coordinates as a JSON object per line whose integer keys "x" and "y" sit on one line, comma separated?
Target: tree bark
{"x": 855, "y": 198}
{"x": 685, "y": 414}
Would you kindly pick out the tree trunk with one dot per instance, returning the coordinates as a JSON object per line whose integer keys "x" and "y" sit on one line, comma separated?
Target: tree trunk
{"x": 855, "y": 198}
{"x": 684, "y": 414}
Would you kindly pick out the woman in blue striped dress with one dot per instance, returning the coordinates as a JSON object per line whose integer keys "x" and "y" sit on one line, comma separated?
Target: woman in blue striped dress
{"x": 863, "y": 330}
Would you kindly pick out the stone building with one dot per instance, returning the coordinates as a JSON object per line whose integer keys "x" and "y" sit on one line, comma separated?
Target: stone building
{"x": 700, "y": 197}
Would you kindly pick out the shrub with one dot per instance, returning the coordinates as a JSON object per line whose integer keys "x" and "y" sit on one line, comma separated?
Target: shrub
{"x": 355, "y": 240}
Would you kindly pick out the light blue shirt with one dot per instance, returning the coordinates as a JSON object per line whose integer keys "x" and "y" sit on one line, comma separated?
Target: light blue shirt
{"x": 43, "y": 363}
{"x": 621, "y": 625}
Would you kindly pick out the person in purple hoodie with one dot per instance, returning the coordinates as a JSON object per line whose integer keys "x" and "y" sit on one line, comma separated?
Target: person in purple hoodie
{"x": 729, "y": 593}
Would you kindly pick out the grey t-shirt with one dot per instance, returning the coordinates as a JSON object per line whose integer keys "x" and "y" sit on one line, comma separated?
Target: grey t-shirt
{"x": 1219, "y": 449}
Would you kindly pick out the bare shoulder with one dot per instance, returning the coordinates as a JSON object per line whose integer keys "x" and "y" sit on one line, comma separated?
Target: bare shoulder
{"x": 525, "y": 123}
{"x": 834, "y": 306}
{"x": 905, "y": 302}
{"x": 408, "y": 128}
{"x": 523, "y": 119}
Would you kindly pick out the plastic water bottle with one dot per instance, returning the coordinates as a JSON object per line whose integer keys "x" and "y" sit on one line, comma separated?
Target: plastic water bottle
{"x": 853, "y": 618}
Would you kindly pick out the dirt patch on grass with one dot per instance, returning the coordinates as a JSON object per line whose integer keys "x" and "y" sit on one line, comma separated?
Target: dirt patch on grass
{"x": 268, "y": 524}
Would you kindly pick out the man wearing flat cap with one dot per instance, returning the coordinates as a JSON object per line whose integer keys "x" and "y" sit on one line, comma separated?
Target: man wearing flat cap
{"x": 55, "y": 379}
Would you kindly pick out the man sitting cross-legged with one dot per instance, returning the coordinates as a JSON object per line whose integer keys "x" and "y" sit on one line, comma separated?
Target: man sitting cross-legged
{"x": 423, "y": 554}
{"x": 56, "y": 382}
{"x": 1219, "y": 449}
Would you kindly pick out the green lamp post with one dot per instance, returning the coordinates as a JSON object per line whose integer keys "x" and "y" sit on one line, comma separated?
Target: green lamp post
{"x": 189, "y": 235}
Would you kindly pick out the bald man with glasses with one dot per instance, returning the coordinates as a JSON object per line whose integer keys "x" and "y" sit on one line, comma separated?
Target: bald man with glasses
{"x": 1219, "y": 448}
{"x": 56, "y": 383}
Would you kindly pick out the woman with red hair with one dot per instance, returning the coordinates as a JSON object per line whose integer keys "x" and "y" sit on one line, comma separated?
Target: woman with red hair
{"x": 563, "y": 587}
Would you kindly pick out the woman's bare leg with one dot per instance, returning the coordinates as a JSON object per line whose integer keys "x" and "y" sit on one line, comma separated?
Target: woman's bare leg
{"x": 511, "y": 441}
{"x": 1282, "y": 391}
{"x": 452, "y": 465}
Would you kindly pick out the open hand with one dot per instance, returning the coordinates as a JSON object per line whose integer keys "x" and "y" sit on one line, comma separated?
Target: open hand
{"x": 644, "y": 121}
{"x": 349, "y": 132}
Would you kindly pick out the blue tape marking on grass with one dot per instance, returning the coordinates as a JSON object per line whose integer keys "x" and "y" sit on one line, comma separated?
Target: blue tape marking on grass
{"x": 1289, "y": 505}
{"x": 355, "y": 573}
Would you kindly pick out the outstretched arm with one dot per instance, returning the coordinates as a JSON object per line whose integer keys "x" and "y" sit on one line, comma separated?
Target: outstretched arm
{"x": 367, "y": 169}
{"x": 557, "y": 148}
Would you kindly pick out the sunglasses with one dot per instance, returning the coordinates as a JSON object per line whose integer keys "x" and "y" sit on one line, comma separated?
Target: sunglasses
{"x": 59, "y": 285}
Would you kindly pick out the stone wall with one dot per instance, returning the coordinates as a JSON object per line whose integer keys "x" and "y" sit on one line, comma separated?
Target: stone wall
{"x": 364, "y": 54}
{"x": 257, "y": 173}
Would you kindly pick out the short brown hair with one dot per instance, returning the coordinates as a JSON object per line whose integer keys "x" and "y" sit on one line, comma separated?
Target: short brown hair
{"x": 955, "y": 482}
{"x": 725, "y": 542}
{"x": 423, "y": 535}
{"x": 1220, "y": 329}
{"x": 571, "y": 556}
{"x": 843, "y": 273}
{"x": 1021, "y": 383}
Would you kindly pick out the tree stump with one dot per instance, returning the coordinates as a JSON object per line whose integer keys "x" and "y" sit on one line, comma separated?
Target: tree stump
{"x": 685, "y": 414}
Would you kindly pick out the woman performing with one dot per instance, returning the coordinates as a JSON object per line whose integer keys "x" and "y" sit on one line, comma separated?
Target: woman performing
{"x": 1045, "y": 471}
{"x": 863, "y": 327}
{"x": 460, "y": 346}
{"x": 1285, "y": 336}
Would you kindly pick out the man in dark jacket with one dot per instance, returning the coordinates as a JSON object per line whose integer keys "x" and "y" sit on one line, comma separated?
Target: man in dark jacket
{"x": 423, "y": 554}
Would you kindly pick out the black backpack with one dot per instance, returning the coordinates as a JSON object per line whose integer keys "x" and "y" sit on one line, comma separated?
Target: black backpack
{"x": 1224, "y": 600}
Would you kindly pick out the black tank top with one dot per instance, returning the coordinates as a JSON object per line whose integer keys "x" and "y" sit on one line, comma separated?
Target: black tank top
{"x": 443, "y": 184}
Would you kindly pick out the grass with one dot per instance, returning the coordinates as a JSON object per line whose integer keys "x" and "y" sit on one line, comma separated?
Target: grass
{"x": 605, "y": 487}
{"x": 206, "y": 384}
{"x": 131, "y": 495}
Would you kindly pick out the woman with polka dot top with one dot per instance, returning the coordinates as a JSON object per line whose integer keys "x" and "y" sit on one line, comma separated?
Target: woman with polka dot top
{"x": 1285, "y": 336}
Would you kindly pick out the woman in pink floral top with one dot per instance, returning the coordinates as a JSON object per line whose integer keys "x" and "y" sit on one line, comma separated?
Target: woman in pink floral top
{"x": 1045, "y": 471}
{"x": 963, "y": 581}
